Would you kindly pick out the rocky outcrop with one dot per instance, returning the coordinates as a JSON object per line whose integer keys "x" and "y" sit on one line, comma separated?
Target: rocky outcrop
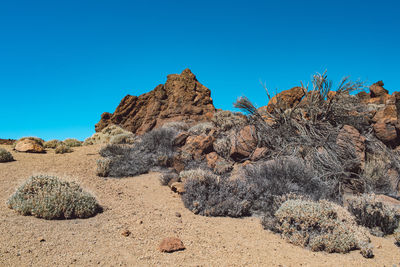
{"x": 181, "y": 98}
{"x": 171, "y": 244}
{"x": 29, "y": 146}
{"x": 285, "y": 99}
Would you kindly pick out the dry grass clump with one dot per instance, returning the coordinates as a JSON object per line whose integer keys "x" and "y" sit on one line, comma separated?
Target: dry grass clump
{"x": 222, "y": 146}
{"x": 321, "y": 226}
{"x": 48, "y": 197}
{"x": 52, "y": 143}
{"x": 167, "y": 177}
{"x": 201, "y": 128}
{"x": 105, "y": 135}
{"x": 124, "y": 138}
{"x": 5, "y": 156}
{"x": 72, "y": 142}
{"x": 226, "y": 120}
{"x": 372, "y": 213}
{"x": 62, "y": 148}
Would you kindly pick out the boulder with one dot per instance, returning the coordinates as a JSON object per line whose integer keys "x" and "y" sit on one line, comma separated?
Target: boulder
{"x": 171, "y": 244}
{"x": 350, "y": 136}
{"x": 258, "y": 153}
{"x": 181, "y": 98}
{"x": 198, "y": 145}
{"x": 243, "y": 143}
{"x": 29, "y": 146}
{"x": 180, "y": 139}
{"x": 285, "y": 99}
{"x": 377, "y": 90}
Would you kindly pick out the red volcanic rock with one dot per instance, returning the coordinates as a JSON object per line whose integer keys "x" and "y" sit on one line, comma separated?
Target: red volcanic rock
{"x": 181, "y": 98}
{"x": 243, "y": 143}
{"x": 198, "y": 145}
{"x": 377, "y": 89}
{"x": 171, "y": 244}
{"x": 285, "y": 99}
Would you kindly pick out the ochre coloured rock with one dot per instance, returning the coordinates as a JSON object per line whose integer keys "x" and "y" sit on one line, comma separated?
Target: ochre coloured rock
{"x": 377, "y": 90}
{"x": 386, "y": 132}
{"x": 285, "y": 99}
{"x": 243, "y": 143}
{"x": 198, "y": 145}
{"x": 181, "y": 98}
{"x": 171, "y": 244}
{"x": 350, "y": 136}
{"x": 29, "y": 145}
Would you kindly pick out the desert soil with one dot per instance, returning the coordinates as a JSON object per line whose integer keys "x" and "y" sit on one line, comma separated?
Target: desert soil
{"x": 148, "y": 210}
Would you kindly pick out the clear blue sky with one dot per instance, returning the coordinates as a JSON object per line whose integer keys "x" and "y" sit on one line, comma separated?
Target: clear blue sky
{"x": 63, "y": 63}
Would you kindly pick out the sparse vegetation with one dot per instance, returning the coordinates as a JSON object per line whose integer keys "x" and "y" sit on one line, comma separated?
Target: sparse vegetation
{"x": 153, "y": 149}
{"x": 62, "y": 148}
{"x": 124, "y": 138}
{"x": 106, "y": 134}
{"x": 226, "y": 120}
{"x": 50, "y": 198}
{"x": 321, "y": 226}
{"x": 72, "y": 142}
{"x": 177, "y": 125}
{"x": 201, "y": 128}
{"x": 372, "y": 213}
{"x": 5, "y": 156}
{"x": 51, "y": 143}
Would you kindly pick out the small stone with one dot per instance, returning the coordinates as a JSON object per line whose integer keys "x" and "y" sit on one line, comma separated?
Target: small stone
{"x": 140, "y": 222}
{"x": 126, "y": 233}
{"x": 177, "y": 214}
{"x": 171, "y": 244}
{"x": 42, "y": 240}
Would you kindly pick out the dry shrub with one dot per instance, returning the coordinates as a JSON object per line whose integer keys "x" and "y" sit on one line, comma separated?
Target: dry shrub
{"x": 105, "y": 135}
{"x": 52, "y": 143}
{"x": 124, "y": 138}
{"x": 167, "y": 177}
{"x": 321, "y": 226}
{"x": 201, "y": 128}
{"x": 226, "y": 120}
{"x": 371, "y": 212}
{"x": 177, "y": 125}
{"x": 222, "y": 146}
{"x": 62, "y": 148}
{"x": 50, "y": 198}
{"x": 72, "y": 142}
{"x": 154, "y": 148}
{"x": 5, "y": 156}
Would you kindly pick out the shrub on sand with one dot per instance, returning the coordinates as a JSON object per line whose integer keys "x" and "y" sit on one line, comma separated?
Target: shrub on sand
{"x": 72, "y": 142}
{"x": 52, "y": 143}
{"x": 321, "y": 226}
{"x": 62, "y": 148}
{"x": 5, "y": 156}
{"x": 372, "y": 213}
{"x": 48, "y": 197}
{"x": 123, "y": 138}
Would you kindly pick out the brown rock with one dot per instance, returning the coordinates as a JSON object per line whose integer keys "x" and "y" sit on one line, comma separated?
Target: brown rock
{"x": 198, "y": 145}
{"x": 285, "y": 99}
{"x": 386, "y": 115}
{"x": 171, "y": 244}
{"x": 258, "y": 153}
{"x": 180, "y": 139}
{"x": 212, "y": 159}
{"x": 387, "y": 133}
{"x": 377, "y": 90}
{"x": 350, "y": 136}
{"x": 29, "y": 145}
{"x": 243, "y": 143}
{"x": 181, "y": 98}
{"x": 126, "y": 233}
{"x": 178, "y": 187}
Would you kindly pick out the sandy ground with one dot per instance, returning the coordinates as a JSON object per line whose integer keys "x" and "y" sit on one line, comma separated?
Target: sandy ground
{"x": 147, "y": 209}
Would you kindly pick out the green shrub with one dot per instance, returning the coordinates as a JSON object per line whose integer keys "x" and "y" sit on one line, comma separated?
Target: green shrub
{"x": 71, "y": 142}
{"x": 48, "y": 197}
{"x": 61, "y": 149}
{"x": 372, "y": 213}
{"x": 52, "y": 143}
{"x": 5, "y": 156}
{"x": 321, "y": 226}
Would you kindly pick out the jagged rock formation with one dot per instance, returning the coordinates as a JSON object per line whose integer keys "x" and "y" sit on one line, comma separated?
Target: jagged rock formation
{"x": 181, "y": 98}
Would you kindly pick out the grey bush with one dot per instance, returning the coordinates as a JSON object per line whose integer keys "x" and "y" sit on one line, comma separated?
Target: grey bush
{"x": 226, "y": 120}
{"x": 5, "y": 156}
{"x": 154, "y": 148}
{"x": 72, "y": 142}
{"x": 372, "y": 213}
{"x": 52, "y": 143}
{"x": 48, "y": 197}
{"x": 321, "y": 226}
{"x": 62, "y": 148}
{"x": 201, "y": 128}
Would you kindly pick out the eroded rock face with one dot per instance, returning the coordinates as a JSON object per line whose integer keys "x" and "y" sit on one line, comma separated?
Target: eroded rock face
{"x": 181, "y": 98}
{"x": 285, "y": 99}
